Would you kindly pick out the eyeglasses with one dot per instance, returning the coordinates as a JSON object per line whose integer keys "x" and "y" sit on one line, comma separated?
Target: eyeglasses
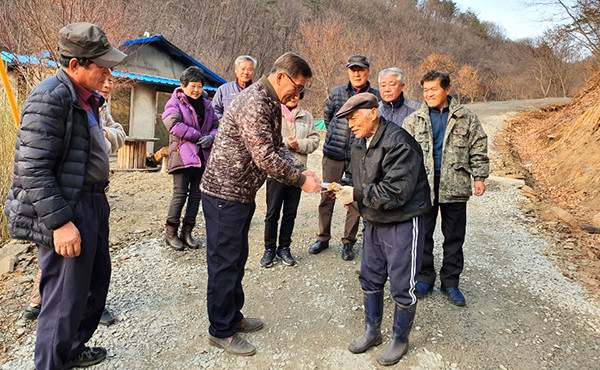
{"x": 299, "y": 88}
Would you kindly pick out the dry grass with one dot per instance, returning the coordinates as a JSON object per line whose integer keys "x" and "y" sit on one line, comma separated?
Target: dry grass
{"x": 8, "y": 133}
{"x": 558, "y": 149}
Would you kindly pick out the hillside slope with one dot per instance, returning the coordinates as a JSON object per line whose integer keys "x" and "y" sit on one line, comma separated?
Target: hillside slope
{"x": 558, "y": 146}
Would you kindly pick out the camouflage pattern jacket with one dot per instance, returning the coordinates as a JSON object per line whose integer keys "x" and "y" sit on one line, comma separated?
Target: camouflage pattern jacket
{"x": 248, "y": 147}
{"x": 464, "y": 151}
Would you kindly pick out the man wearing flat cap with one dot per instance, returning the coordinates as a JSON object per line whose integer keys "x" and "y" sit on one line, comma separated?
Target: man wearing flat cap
{"x": 389, "y": 184}
{"x": 336, "y": 154}
{"x": 57, "y": 197}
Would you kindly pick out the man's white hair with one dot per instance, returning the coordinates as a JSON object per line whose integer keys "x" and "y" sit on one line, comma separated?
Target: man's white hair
{"x": 394, "y": 72}
{"x": 365, "y": 111}
{"x": 245, "y": 58}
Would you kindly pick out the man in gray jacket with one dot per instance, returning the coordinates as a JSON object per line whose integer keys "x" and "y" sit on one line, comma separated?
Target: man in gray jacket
{"x": 394, "y": 106}
{"x": 455, "y": 150}
{"x": 244, "y": 67}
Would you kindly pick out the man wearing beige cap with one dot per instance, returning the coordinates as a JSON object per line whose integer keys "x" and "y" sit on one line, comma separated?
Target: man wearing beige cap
{"x": 389, "y": 184}
{"x": 336, "y": 154}
{"x": 57, "y": 197}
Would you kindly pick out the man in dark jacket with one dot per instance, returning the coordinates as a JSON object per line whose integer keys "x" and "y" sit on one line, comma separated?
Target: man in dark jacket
{"x": 247, "y": 148}
{"x": 336, "y": 154}
{"x": 394, "y": 106}
{"x": 390, "y": 186}
{"x": 57, "y": 197}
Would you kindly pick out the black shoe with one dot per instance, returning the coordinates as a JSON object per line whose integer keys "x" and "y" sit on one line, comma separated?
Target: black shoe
{"x": 318, "y": 247}
{"x": 32, "y": 312}
{"x": 267, "y": 258}
{"x": 285, "y": 256}
{"x": 454, "y": 295}
{"x": 107, "y": 318}
{"x": 347, "y": 252}
{"x": 90, "y": 356}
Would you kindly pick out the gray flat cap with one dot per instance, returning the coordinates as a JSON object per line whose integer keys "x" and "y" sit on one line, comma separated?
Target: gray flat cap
{"x": 359, "y": 101}
{"x": 86, "y": 40}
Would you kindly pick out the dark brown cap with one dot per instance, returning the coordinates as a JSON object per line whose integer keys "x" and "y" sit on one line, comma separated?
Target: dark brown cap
{"x": 358, "y": 101}
{"x": 358, "y": 60}
{"x": 86, "y": 40}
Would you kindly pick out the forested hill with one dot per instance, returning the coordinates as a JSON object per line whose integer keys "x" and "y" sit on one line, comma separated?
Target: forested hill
{"x": 409, "y": 34}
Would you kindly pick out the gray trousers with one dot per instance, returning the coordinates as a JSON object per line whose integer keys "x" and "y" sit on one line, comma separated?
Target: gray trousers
{"x": 186, "y": 186}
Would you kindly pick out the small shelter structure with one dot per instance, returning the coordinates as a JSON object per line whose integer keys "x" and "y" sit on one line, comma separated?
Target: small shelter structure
{"x": 150, "y": 74}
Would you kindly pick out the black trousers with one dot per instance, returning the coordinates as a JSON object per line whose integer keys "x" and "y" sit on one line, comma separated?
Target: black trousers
{"x": 280, "y": 195}
{"x": 227, "y": 226}
{"x": 74, "y": 290}
{"x": 454, "y": 222}
{"x": 186, "y": 186}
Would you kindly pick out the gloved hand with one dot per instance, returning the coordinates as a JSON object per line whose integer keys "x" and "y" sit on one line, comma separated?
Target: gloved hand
{"x": 345, "y": 194}
{"x": 205, "y": 142}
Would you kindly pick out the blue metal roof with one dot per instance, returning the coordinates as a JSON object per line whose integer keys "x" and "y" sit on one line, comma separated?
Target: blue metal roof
{"x": 153, "y": 80}
{"x": 10, "y": 58}
{"x": 176, "y": 52}
{"x": 28, "y": 59}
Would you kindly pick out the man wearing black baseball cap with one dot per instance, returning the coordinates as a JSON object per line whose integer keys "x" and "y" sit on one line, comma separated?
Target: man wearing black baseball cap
{"x": 389, "y": 183}
{"x": 57, "y": 197}
{"x": 336, "y": 154}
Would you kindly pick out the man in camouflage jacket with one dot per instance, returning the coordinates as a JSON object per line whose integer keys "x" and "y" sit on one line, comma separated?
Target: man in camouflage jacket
{"x": 247, "y": 148}
{"x": 455, "y": 150}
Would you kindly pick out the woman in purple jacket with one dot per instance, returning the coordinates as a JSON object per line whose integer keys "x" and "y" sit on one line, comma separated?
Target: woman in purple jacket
{"x": 192, "y": 126}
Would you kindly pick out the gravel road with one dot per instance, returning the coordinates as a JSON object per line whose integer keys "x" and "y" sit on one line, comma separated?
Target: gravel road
{"x": 522, "y": 312}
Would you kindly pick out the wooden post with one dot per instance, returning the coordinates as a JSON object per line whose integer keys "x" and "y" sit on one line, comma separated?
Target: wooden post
{"x": 132, "y": 155}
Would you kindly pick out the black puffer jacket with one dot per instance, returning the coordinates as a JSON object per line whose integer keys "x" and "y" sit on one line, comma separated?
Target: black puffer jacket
{"x": 390, "y": 183}
{"x": 52, "y": 150}
{"x": 339, "y": 137}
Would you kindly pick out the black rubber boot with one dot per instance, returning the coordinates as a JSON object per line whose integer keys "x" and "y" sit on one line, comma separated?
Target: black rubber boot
{"x": 403, "y": 320}
{"x": 186, "y": 235}
{"x": 373, "y": 315}
{"x": 171, "y": 235}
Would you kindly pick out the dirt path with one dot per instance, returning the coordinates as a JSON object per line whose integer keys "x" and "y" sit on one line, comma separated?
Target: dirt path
{"x": 521, "y": 313}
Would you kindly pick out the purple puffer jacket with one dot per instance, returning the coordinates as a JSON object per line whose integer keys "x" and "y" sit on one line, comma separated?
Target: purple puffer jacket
{"x": 182, "y": 123}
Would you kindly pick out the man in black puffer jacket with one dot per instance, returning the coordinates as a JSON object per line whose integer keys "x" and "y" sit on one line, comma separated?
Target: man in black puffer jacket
{"x": 57, "y": 197}
{"x": 389, "y": 183}
{"x": 336, "y": 154}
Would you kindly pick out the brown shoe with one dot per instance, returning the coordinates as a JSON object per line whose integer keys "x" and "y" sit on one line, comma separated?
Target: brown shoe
{"x": 248, "y": 325}
{"x": 235, "y": 345}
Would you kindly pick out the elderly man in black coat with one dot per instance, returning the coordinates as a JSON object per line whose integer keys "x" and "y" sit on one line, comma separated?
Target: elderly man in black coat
{"x": 389, "y": 184}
